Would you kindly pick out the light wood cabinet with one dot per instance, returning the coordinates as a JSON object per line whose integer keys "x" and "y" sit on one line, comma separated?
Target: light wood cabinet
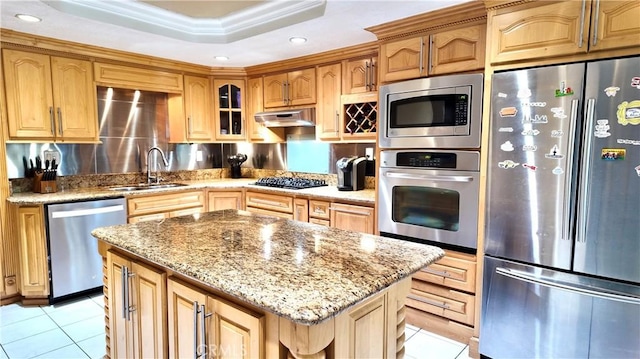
{"x": 137, "y": 309}
{"x": 137, "y": 78}
{"x": 360, "y": 75}
{"x": 49, "y": 98}
{"x": 551, "y": 29}
{"x": 218, "y": 200}
{"x": 367, "y": 330}
{"x": 230, "y": 124}
{"x": 32, "y": 244}
{"x": 200, "y": 323}
{"x": 154, "y": 207}
{"x": 255, "y": 104}
{"x": 290, "y": 89}
{"x": 328, "y": 108}
{"x": 197, "y": 107}
{"x": 301, "y": 209}
{"x": 270, "y": 204}
{"x": 442, "y": 297}
{"x": 448, "y": 51}
{"x": 352, "y": 218}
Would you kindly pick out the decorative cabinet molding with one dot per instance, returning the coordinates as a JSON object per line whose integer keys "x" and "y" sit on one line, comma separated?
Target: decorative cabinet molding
{"x": 137, "y": 78}
{"x": 49, "y": 98}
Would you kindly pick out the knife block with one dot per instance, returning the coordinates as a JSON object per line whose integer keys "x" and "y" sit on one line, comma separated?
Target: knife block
{"x": 40, "y": 186}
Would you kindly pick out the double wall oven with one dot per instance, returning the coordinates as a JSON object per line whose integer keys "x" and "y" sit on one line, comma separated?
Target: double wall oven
{"x": 429, "y": 167}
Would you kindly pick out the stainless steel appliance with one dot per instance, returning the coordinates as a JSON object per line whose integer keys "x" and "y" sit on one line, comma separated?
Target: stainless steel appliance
{"x": 433, "y": 112}
{"x": 430, "y": 196}
{"x": 350, "y": 172}
{"x": 74, "y": 262}
{"x": 290, "y": 182}
{"x": 562, "y": 243}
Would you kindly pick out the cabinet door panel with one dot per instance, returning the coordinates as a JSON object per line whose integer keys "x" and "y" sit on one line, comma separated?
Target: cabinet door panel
{"x": 180, "y": 319}
{"x": 352, "y": 218}
{"x": 544, "y": 31}
{"x": 403, "y": 59}
{"x": 225, "y": 200}
{"x": 235, "y": 332}
{"x": 26, "y": 73}
{"x": 198, "y": 108}
{"x": 614, "y": 24}
{"x": 120, "y": 329}
{"x": 274, "y": 90}
{"x": 34, "y": 269}
{"x": 458, "y": 50}
{"x": 328, "y": 107}
{"x": 150, "y": 298}
{"x": 302, "y": 87}
{"x": 74, "y": 96}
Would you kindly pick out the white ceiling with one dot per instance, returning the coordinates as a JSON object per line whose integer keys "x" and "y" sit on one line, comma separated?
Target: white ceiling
{"x": 248, "y": 32}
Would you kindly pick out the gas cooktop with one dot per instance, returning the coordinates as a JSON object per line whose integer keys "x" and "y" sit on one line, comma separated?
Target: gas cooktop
{"x": 290, "y": 182}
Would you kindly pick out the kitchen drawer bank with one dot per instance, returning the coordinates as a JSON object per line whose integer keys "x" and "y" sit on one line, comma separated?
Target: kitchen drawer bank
{"x": 366, "y": 196}
{"x": 266, "y": 287}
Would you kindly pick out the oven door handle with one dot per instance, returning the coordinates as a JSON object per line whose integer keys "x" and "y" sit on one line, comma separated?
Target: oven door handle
{"x": 430, "y": 178}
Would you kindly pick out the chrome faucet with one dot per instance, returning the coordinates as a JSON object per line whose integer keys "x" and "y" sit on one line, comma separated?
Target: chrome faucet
{"x": 150, "y": 178}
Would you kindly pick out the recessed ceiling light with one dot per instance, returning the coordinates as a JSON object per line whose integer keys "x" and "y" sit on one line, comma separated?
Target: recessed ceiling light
{"x": 297, "y": 40}
{"x": 28, "y": 18}
{"x": 221, "y": 58}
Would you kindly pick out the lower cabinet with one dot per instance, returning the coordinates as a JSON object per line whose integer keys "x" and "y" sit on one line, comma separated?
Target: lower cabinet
{"x": 159, "y": 206}
{"x": 203, "y": 325}
{"x": 137, "y": 309}
{"x": 270, "y": 204}
{"x": 218, "y": 200}
{"x": 353, "y": 218}
{"x": 319, "y": 212}
{"x": 442, "y": 298}
{"x": 32, "y": 244}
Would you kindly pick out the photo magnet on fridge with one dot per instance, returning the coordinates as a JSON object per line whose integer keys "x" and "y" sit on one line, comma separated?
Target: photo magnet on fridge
{"x": 629, "y": 113}
{"x": 613, "y": 154}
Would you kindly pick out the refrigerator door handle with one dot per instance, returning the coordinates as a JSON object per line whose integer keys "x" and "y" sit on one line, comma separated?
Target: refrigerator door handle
{"x": 550, "y": 283}
{"x": 566, "y": 207}
{"x": 583, "y": 205}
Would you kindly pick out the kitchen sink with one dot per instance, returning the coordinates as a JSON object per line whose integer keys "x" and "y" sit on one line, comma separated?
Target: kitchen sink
{"x": 146, "y": 186}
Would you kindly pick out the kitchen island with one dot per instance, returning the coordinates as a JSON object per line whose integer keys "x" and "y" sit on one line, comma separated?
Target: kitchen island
{"x": 254, "y": 286}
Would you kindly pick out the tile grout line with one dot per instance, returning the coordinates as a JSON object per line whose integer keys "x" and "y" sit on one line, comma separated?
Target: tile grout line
{"x": 65, "y": 333}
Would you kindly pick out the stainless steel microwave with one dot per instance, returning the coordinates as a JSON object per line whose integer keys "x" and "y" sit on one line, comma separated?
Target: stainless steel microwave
{"x": 435, "y": 112}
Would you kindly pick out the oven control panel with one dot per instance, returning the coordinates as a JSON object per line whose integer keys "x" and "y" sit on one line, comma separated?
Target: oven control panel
{"x": 426, "y": 159}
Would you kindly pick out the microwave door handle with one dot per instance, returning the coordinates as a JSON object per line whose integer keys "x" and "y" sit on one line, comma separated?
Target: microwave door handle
{"x": 405, "y": 175}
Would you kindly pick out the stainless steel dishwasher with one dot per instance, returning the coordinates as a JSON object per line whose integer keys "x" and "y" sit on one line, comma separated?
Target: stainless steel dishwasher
{"x": 74, "y": 262}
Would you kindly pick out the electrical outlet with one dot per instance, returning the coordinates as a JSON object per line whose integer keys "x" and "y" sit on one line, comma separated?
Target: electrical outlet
{"x": 198, "y": 156}
{"x": 368, "y": 153}
{"x": 51, "y": 155}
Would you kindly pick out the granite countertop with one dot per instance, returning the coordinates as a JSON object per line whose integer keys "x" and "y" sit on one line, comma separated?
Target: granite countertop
{"x": 366, "y": 196}
{"x": 304, "y": 272}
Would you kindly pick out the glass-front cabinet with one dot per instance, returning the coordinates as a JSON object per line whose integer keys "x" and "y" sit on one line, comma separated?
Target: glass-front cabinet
{"x": 230, "y": 119}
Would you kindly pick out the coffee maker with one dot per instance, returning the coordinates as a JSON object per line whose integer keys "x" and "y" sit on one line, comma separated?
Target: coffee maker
{"x": 235, "y": 161}
{"x": 351, "y": 173}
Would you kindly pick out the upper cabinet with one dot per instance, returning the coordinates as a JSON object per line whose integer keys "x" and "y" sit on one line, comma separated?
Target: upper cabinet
{"x": 230, "y": 121}
{"x": 328, "y": 108}
{"x": 255, "y": 104}
{"x": 360, "y": 75}
{"x": 290, "y": 89}
{"x": 49, "y": 98}
{"x": 448, "y": 51}
{"x": 197, "y": 108}
{"x": 551, "y": 29}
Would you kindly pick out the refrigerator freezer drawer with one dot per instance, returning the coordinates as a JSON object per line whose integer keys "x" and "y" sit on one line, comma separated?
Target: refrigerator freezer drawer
{"x": 530, "y": 312}
{"x": 442, "y": 301}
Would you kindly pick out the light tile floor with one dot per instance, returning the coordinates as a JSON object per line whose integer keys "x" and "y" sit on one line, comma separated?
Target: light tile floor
{"x": 75, "y": 329}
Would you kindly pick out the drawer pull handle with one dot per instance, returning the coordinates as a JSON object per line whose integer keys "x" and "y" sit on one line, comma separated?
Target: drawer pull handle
{"x": 349, "y": 211}
{"x": 442, "y": 305}
{"x": 441, "y": 273}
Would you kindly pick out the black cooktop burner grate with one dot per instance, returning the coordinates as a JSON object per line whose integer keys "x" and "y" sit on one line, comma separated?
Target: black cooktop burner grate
{"x": 290, "y": 182}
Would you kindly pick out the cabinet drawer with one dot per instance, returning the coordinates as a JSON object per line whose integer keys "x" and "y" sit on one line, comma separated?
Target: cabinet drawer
{"x": 323, "y": 222}
{"x": 454, "y": 270}
{"x": 148, "y": 217}
{"x": 442, "y": 301}
{"x": 270, "y": 213}
{"x": 269, "y": 202}
{"x": 319, "y": 209}
{"x": 164, "y": 203}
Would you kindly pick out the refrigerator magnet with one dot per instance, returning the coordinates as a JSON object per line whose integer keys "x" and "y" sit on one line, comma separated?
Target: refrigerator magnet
{"x": 557, "y": 171}
{"x": 507, "y": 146}
{"x": 529, "y": 148}
{"x": 508, "y": 164}
{"x": 540, "y": 119}
{"x": 613, "y": 154}
{"x": 524, "y": 93}
{"x": 625, "y": 141}
{"x": 508, "y": 112}
{"x": 502, "y": 95}
{"x": 601, "y": 129}
{"x": 530, "y": 132}
{"x": 505, "y": 129}
{"x": 629, "y": 113}
{"x": 534, "y": 104}
{"x": 563, "y": 90}
{"x": 635, "y": 82}
{"x": 554, "y": 153}
{"x": 557, "y": 133}
{"x": 611, "y": 91}
{"x": 638, "y": 170}
{"x": 530, "y": 166}
{"x": 558, "y": 112}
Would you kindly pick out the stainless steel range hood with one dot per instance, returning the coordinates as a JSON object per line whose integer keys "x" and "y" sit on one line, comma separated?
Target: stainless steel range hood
{"x": 287, "y": 118}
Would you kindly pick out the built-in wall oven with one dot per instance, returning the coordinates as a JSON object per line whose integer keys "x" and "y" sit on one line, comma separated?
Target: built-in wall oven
{"x": 430, "y": 196}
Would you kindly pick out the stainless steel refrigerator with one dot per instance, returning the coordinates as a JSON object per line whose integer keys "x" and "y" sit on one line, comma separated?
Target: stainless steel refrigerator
{"x": 562, "y": 236}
